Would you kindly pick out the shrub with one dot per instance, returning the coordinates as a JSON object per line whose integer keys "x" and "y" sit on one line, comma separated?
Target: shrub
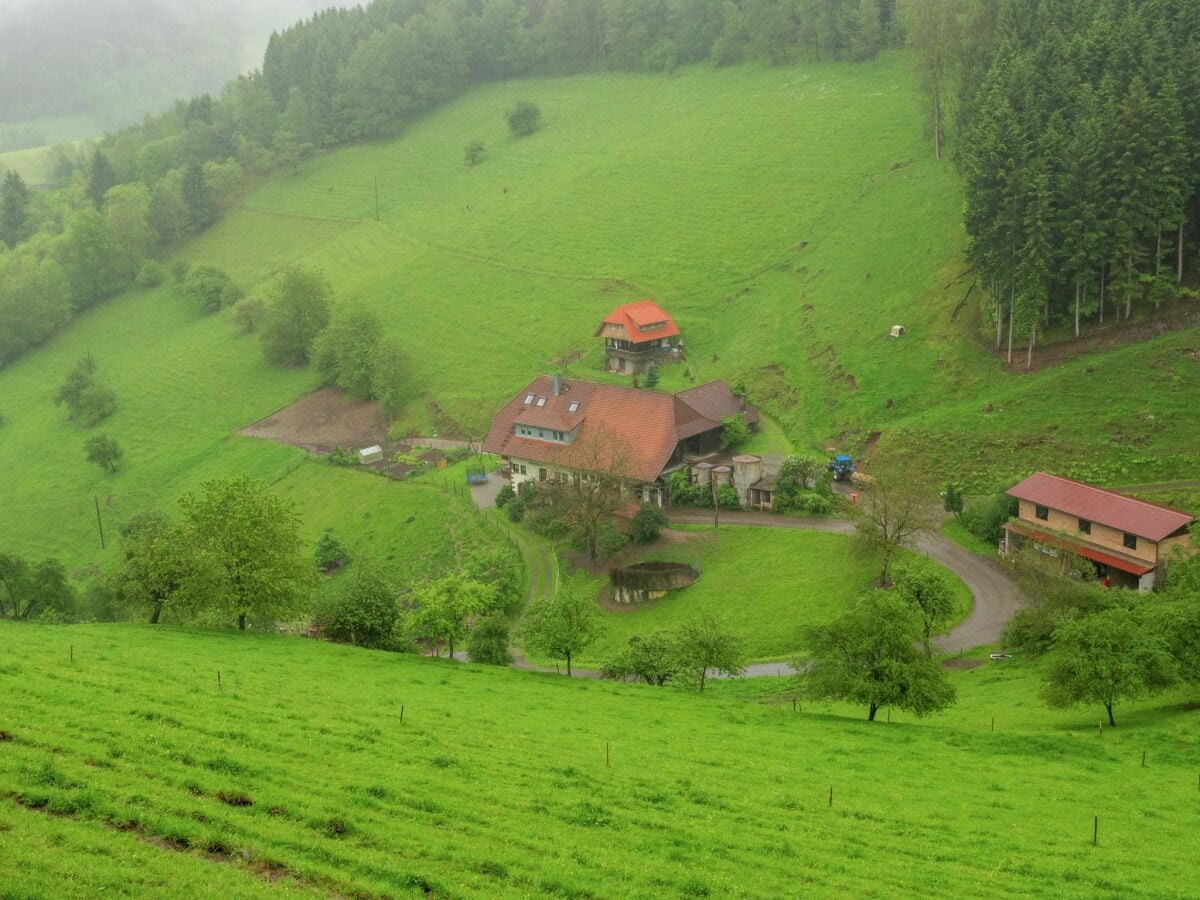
{"x": 488, "y": 643}
{"x": 329, "y": 553}
{"x": 179, "y": 270}
{"x": 249, "y": 313}
{"x": 506, "y": 495}
{"x": 523, "y": 119}
{"x": 473, "y": 153}
{"x": 343, "y": 457}
{"x": 363, "y": 612}
{"x": 727, "y": 497}
{"x": 986, "y": 519}
{"x": 680, "y": 488}
{"x": 952, "y": 499}
{"x": 152, "y": 274}
{"x": 734, "y": 431}
{"x": 96, "y": 402}
{"x": 210, "y": 289}
{"x": 609, "y": 540}
{"x": 648, "y": 522}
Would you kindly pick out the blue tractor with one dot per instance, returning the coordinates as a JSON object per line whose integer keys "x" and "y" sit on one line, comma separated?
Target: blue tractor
{"x": 842, "y": 467}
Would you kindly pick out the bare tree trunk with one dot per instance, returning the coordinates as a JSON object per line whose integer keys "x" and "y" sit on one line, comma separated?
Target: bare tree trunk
{"x": 871, "y": 713}
{"x": 1128, "y": 285}
{"x": 1111, "y": 720}
{"x": 999, "y": 314}
{"x": 241, "y": 621}
{"x": 1103, "y": 267}
{"x": 1011, "y": 304}
{"x": 568, "y": 663}
{"x": 154, "y": 613}
{"x": 1158, "y": 253}
{"x": 1032, "y": 341}
{"x": 1078, "y": 291}
{"x": 1179, "y": 256}
{"x": 937, "y": 120}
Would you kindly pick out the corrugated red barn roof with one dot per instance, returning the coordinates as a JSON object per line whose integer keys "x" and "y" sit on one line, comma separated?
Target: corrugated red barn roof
{"x": 1146, "y": 520}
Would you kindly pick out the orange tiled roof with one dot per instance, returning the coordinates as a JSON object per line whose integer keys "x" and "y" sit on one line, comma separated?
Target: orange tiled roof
{"x": 630, "y": 432}
{"x": 633, "y": 319}
{"x": 1146, "y": 520}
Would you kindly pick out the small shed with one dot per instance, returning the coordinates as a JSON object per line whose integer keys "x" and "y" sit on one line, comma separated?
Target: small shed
{"x": 371, "y": 454}
{"x": 897, "y": 331}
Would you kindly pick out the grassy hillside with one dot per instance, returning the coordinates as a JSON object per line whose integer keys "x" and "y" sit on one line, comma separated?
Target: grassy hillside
{"x": 129, "y": 769}
{"x": 787, "y": 217}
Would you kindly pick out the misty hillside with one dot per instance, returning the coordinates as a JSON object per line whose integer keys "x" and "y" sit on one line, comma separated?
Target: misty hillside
{"x": 112, "y": 61}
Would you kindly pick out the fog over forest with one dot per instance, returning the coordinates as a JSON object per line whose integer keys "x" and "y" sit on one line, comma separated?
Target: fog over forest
{"x": 109, "y": 62}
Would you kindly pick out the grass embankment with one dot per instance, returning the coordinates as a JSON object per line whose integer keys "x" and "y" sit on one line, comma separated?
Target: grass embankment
{"x": 495, "y": 783}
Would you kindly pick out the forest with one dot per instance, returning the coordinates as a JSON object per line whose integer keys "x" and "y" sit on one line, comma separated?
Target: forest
{"x": 1080, "y": 150}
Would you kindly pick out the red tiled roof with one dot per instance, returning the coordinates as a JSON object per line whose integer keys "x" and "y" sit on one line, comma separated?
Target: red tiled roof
{"x": 631, "y": 432}
{"x": 634, "y": 317}
{"x": 715, "y": 401}
{"x": 1146, "y": 520}
{"x": 1054, "y": 539}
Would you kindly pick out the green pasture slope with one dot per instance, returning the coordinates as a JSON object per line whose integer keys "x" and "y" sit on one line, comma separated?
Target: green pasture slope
{"x": 787, "y": 217}
{"x": 129, "y": 770}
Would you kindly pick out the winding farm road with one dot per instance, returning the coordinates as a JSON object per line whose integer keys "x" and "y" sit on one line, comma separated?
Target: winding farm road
{"x": 995, "y": 595}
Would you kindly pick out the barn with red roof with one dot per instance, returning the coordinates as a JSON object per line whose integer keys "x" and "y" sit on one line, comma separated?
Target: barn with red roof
{"x": 638, "y": 335}
{"x": 1126, "y": 539}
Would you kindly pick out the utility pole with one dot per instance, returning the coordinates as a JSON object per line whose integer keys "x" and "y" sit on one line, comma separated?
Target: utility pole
{"x": 99, "y": 524}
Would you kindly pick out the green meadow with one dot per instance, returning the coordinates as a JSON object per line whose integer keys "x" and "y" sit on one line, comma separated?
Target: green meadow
{"x": 767, "y": 583}
{"x": 314, "y": 768}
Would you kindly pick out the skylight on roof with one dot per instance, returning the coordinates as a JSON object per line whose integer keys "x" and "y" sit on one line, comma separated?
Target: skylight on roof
{"x": 574, "y": 406}
{"x": 541, "y": 401}
{"x": 528, "y": 399}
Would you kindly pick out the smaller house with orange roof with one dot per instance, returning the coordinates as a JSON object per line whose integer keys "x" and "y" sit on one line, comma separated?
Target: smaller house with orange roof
{"x": 1127, "y": 540}
{"x": 638, "y": 335}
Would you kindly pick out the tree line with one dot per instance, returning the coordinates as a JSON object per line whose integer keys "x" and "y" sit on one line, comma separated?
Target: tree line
{"x": 1079, "y": 144}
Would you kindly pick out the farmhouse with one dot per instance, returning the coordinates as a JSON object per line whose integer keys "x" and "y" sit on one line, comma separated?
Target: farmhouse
{"x": 563, "y": 428}
{"x": 638, "y": 335}
{"x": 1128, "y": 540}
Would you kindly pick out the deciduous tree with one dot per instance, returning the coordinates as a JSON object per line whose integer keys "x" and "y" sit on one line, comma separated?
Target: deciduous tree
{"x": 927, "y": 590}
{"x": 160, "y": 570}
{"x": 14, "y": 208}
{"x": 445, "y": 608}
{"x": 563, "y": 625}
{"x": 898, "y": 506}
{"x": 1106, "y": 658}
{"x": 705, "y": 644}
{"x": 104, "y": 451}
{"x": 869, "y": 656}
{"x": 298, "y": 309}
{"x": 253, "y": 537}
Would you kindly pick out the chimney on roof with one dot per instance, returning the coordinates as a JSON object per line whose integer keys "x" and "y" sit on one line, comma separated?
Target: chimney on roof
{"x": 557, "y": 385}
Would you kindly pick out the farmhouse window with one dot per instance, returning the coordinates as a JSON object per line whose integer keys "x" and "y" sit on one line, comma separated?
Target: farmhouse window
{"x": 1085, "y": 527}
{"x": 1041, "y": 512}
{"x": 1130, "y": 541}
{"x": 541, "y": 474}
